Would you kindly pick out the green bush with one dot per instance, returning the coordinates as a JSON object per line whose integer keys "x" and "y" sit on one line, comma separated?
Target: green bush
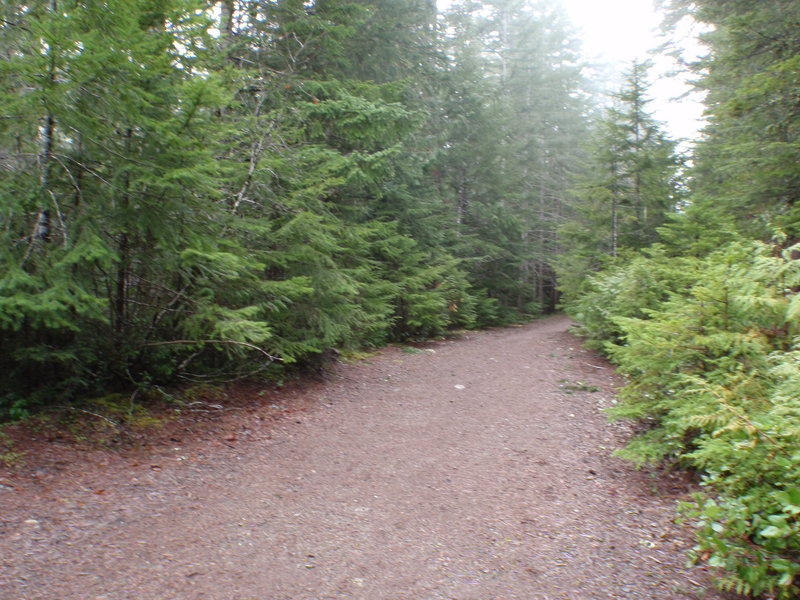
{"x": 628, "y": 289}
{"x": 714, "y": 378}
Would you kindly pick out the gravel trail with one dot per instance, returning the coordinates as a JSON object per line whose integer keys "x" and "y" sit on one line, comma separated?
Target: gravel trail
{"x": 476, "y": 468}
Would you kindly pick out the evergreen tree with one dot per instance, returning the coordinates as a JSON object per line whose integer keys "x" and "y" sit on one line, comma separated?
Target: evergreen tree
{"x": 705, "y": 328}
{"x": 510, "y": 175}
{"x": 330, "y": 166}
{"x": 108, "y": 188}
{"x": 747, "y": 163}
{"x": 197, "y": 189}
{"x": 547, "y": 96}
{"x": 630, "y": 186}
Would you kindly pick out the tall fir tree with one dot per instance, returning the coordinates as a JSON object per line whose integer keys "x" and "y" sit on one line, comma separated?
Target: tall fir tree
{"x": 115, "y": 129}
{"x": 630, "y": 186}
{"x": 194, "y": 189}
{"x": 746, "y": 165}
{"x": 526, "y": 117}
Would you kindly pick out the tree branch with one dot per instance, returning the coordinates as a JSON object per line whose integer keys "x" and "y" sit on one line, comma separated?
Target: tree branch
{"x": 232, "y": 342}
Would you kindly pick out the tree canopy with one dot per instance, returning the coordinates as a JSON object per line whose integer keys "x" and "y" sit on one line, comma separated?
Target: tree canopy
{"x": 197, "y": 190}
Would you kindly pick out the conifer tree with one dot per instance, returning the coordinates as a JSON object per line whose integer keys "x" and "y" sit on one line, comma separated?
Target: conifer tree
{"x": 546, "y": 92}
{"x": 747, "y": 163}
{"x": 525, "y": 120}
{"x": 705, "y": 327}
{"x": 193, "y": 189}
{"x": 121, "y": 193}
{"x": 630, "y": 186}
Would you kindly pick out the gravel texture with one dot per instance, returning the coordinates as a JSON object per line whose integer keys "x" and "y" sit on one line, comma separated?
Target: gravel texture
{"x": 473, "y": 468}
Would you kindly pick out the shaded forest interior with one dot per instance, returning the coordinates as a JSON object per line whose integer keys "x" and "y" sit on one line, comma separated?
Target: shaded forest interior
{"x": 197, "y": 191}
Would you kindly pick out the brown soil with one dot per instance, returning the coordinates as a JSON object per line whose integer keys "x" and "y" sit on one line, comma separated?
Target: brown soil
{"x": 477, "y": 469}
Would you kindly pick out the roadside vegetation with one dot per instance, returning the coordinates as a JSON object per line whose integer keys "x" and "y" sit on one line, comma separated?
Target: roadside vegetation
{"x": 195, "y": 191}
{"x": 705, "y": 324}
{"x": 198, "y": 191}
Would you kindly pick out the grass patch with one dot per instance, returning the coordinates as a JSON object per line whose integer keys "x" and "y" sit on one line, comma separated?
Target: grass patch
{"x": 570, "y": 387}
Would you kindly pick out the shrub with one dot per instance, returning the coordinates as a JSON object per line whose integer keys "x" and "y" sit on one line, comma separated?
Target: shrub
{"x": 714, "y": 375}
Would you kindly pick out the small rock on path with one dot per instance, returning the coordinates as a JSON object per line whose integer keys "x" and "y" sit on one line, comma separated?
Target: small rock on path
{"x": 479, "y": 471}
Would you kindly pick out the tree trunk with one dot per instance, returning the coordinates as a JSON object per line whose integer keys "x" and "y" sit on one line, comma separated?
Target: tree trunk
{"x": 225, "y": 24}
{"x": 42, "y": 228}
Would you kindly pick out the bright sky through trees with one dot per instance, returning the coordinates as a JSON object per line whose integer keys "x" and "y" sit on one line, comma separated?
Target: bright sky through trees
{"x": 615, "y": 32}
{"x": 618, "y": 31}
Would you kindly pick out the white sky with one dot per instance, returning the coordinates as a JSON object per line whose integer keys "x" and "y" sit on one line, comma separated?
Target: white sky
{"x": 615, "y": 32}
{"x": 618, "y": 31}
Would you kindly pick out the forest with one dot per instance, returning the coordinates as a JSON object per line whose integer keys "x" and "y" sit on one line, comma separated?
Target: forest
{"x": 198, "y": 191}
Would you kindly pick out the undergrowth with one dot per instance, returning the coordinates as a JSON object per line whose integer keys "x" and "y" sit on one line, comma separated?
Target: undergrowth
{"x": 711, "y": 351}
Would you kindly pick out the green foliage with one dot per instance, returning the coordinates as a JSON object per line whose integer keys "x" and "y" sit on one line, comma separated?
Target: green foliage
{"x": 747, "y": 167}
{"x": 629, "y": 288}
{"x": 628, "y": 188}
{"x": 712, "y": 364}
{"x": 505, "y": 173}
{"x": 749, "y": 520}
{"x": 705, "y": 328}
{"x": 195, "y": 194}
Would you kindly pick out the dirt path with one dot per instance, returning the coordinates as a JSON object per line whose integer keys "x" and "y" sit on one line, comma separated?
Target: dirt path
{"x": 478, "y": 469}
